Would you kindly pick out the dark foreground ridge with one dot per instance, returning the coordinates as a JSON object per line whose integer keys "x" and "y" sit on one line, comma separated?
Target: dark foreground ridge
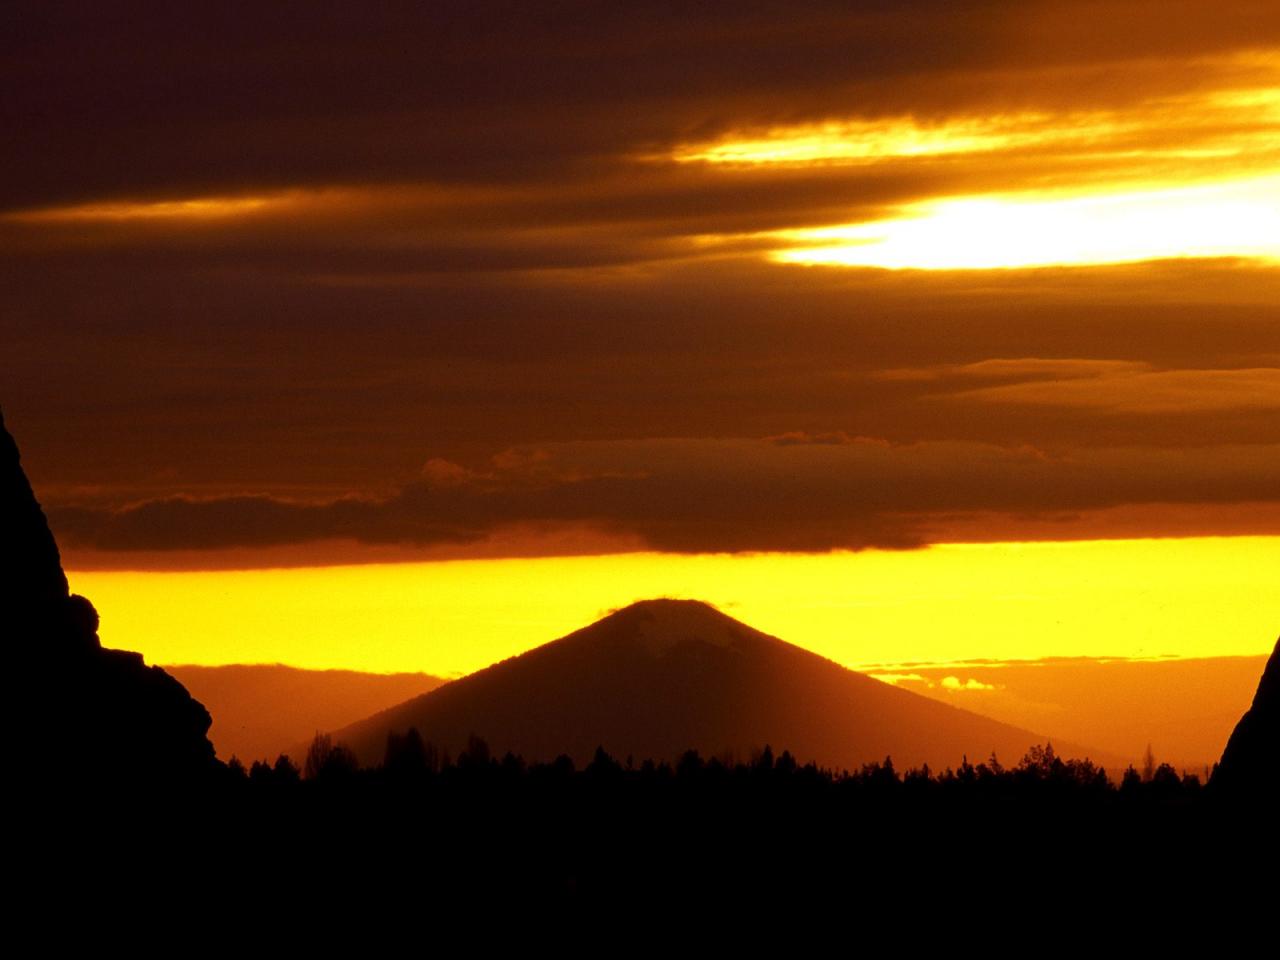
{"x": 1249, "y": 763}
{"x": 89, "y": 715}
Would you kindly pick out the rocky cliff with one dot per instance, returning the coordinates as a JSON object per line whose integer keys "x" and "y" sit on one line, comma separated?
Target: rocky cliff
{"x": 1249, "y": 763}
{"x": 81, "y": 714}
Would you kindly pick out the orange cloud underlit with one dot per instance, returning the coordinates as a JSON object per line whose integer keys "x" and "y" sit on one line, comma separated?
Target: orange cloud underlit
{"x": 1235, "y": 119}
{"x": 195, "y": 208}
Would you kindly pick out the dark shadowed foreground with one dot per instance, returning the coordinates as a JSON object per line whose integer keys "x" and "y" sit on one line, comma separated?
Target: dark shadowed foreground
{"x": 496, "y": 834}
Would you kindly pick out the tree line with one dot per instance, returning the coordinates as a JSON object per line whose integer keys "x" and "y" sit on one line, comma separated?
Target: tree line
{"x": 414, "y": 764}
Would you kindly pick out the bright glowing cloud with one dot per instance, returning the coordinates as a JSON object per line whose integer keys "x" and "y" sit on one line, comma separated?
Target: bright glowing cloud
{"x": 1175, "y": 174}
{"x": 955, "y": 683}
{"x": 894, "y": 679}
{"x": 1228, "y": 122}
{"x": 861, "y": 141}
{"x": 1236, "y": 219}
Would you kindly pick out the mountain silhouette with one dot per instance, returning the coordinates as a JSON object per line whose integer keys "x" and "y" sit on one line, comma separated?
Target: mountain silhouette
{"x": 1249, "y": 762}
{"x": 663, "y": 676}
{"x": 90, "y": 714}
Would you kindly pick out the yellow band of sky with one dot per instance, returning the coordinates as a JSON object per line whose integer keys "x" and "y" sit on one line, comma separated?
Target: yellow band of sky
{"x": 1189, "y": 597}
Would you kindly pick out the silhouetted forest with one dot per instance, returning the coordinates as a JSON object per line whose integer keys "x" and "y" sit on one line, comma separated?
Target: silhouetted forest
{"x": 702, "y": 830}
{"x": 416, "y": 775}
{"x": 414, "y": 767}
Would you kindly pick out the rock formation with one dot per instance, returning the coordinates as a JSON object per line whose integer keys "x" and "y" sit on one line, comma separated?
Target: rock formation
{"x": 1249, "y": 763}
{"x": 83, "y": 714}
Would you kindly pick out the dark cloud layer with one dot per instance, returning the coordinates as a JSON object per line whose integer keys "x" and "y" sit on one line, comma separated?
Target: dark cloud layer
{"x": 703, "y": 495}
{"x": 293, "y": 396}
{"x": 151, "y": 98}
{"x": 260, "y": 263}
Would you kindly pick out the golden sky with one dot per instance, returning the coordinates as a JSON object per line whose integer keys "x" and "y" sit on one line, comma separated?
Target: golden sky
{"x": 950, "y": 603}
{"x": 467, "y": 295}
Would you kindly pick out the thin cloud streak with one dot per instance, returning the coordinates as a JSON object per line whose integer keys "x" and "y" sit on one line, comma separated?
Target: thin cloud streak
{"x": 1146, "y": 392}
{"x": 1118, "y": 386}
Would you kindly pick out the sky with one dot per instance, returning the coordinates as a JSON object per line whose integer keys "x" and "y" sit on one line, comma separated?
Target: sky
{"x": 490, "y": 295}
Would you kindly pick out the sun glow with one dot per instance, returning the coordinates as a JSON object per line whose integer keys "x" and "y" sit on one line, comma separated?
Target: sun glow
{"x": 1237, "y": 219}
{"x": 1190, "y": 173}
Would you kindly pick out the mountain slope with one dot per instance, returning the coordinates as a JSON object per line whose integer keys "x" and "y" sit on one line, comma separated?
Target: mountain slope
{"x": 663, "y": 676}
{"x": 1249, "y": 762}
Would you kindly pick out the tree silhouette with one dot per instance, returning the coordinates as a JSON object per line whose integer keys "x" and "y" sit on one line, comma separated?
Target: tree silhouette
{"x": 329, "y": 761}
{"x": 407, "y": 757}
{"x": 285, "y": 771}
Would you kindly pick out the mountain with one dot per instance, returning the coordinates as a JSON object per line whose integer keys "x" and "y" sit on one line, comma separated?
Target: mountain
{"x": 663, "y": 676}
{"x": 263, "y": 710}
{"x": 88, "y": 714}
{"x": 1249, "y": 762}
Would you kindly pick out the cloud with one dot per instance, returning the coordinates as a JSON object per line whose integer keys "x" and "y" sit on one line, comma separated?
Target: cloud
{"x": 497, "y": 137}
{"x": 956, "y": 684}
{"x": 894, "y": 679}
{"x": 829, "y": 438}
{"x": 1023, "y": 368}
{"x": 700, "y": 496}
{"x": 283, "y": 275}
{"x": 219, "y": 382}
{"x": 1110, "y": 385}
{"x": 1164, "y": 391}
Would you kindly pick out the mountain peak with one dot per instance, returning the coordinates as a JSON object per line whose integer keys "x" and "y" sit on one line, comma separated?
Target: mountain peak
{"x": 661, "y": 624}
{"x": 669, "y": 609}
{"x": 659, "y": 606}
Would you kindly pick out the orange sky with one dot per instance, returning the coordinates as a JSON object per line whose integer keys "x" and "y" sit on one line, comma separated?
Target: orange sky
{"x": 454, "y": 343}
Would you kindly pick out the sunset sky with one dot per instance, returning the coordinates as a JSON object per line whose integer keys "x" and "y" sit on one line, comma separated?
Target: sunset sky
{"x": 399, "y": 336}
